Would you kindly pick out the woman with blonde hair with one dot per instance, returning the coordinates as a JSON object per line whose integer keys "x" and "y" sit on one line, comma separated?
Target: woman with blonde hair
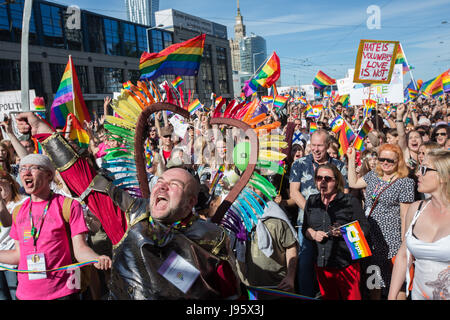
{"x": 389, "y": 193}
{"x": 427, "y": 240}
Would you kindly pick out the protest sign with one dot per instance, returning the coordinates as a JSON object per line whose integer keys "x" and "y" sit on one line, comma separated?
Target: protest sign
{"x": 381, "y": 93}
{"x": 309, "y": 91}
{"x": 179, "y": 126}
{"x": 344, "y": 86}
{"x": 375, "y": 61}
{"x": 10, "y": 101}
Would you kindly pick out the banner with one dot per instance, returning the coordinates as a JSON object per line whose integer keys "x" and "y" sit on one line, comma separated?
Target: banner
{"x": 375, "y": 61}
{"x": 381, "y": 93}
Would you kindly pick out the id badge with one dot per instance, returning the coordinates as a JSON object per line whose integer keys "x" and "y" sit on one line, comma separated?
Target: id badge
{"x": 36, "y": 262}
{"x": 179, "y": 272}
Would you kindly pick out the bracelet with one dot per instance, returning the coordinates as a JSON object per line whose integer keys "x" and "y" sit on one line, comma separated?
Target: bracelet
{"x": 396, "y": 120}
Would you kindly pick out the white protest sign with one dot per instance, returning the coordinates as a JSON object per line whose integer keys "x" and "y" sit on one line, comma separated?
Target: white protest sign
{"x": 375, "y": 61}
{"x": 344, "y": 86}
{"x": 10, "y": 101}
{"x": 381, "y": 93}
{"x": 309, "y": 91}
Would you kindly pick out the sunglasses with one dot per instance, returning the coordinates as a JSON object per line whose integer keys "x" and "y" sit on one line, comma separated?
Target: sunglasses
{"x": 441, "y": 133}
{"x": 424, "y": 169}
{"x": 391, "y": 161}
{"x": 327, "y": 179}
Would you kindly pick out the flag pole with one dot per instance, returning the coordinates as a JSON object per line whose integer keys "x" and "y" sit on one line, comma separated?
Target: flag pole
{"x": 410, "y": 71}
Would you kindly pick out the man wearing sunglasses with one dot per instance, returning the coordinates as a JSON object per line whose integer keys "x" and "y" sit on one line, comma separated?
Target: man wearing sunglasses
{"x": 162, "y": 251}
{"x": 301, "y": 187}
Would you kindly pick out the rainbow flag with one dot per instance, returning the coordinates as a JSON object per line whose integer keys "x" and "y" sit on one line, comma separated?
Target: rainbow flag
{"x": 217, "y": 177}
{"x": 77, "y": 133}
{"x": 177, "y": 82}
{"x": 279, "y": 101}
{"x": 344, "y": 100}
{"x": 127, "y": 85}
{"x": 363, "y": 132}
{"x": 68, "y": 99}
{"x": 446, "y": 81}
{"x": 355, "y": 240}
{"x": 314, "y": 111}
{"x": 194, "y": 106}
{"x": 401, "y": 59}
{"x": 369, "y": 104}
{"x": 322, "y": 80}
{"x": 302, "y": 100}
{"x": 267, "y": 99}
{"x": 181, "y": 59}
{"x": 312, "y": 127}
{"x": 433, "y": 87}
{"x": 266, "y": 77}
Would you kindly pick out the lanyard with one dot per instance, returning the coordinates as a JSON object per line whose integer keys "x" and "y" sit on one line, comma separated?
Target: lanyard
{"x": 176, "y": 225}
{"x": 379, "y": 187}
{"x": 35, "y": 233}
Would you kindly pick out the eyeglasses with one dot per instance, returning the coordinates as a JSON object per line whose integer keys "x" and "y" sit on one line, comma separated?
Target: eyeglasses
{"x": 327, "y": 179}
{"x": 424, "y": 169}
{"x": 32, "y": 169}
{"x": 391, "y": 161}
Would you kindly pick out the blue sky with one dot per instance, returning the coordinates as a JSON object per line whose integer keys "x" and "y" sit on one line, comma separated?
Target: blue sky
{"x": 323, "y": 35}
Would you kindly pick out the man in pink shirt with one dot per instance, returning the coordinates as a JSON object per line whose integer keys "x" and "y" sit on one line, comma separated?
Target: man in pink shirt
{"x": 41, "y": 238}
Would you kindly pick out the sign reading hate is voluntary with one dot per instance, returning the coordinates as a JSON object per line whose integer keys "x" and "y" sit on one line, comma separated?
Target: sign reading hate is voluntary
{"x": 375, "y": 61}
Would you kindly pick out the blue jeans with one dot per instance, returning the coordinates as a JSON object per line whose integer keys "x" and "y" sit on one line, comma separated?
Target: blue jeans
{"x": 306, "y": 276}
{"x": 8, "y": 285}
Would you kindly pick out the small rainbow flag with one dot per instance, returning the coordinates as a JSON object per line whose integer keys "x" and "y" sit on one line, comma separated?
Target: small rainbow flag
{"x": 401, "y": 59}
{"x": 180, "y": 59}
{"x": 194, "y": 106}
{"x": 267, "y": 99}
{"x": 39, "y": 104}
{"x": 177, "y": 82}
{"x": 368, "y": 107}
{"x": 344, "y": 100}
{"x": 363, "y": 132}
{"x": 279, "y": 101}
{"x": 127, "y": 85}
{"x": 68, "y": 99}
{"x": 355, "y": 240}
{"x": 217, "y": 177}
{"x": 322, "y": 80}
{"x": 314, "y": 111}
{"x": 77, "y": 133}
{"x": 302, "y": 100}
{"x": 218, "y": 101}
{"x": 312, "y": 127}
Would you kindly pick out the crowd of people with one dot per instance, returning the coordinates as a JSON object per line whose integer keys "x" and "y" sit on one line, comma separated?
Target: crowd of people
{"x": 60, "y": 206}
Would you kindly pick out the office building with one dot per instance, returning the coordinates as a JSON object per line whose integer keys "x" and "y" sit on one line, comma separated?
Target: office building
{"x": 142, "y": 11}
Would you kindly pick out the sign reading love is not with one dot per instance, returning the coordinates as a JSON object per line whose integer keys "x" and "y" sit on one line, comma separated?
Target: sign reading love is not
{"x": 375, "y": 61}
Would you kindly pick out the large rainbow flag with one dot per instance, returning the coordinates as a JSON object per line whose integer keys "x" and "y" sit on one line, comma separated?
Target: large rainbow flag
{"x": 266, "y": 77}
{"x": 446, "y": 81}
{"x": 322, "y": 80}
{"x": 68, "y": 99}
{"x": 433, "y": 87}
{"x": 355, "y": 240}
{"x": 182, "y": 59}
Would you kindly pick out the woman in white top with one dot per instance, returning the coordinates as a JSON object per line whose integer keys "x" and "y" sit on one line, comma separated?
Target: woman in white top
{"x": 9, "y": 198}
{"x": 427, "y": 240}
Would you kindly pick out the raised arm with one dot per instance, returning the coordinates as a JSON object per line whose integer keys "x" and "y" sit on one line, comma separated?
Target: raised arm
{"x": 353, "y": 180}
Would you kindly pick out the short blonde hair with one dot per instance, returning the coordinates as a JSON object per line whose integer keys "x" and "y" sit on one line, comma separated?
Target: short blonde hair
{"x": 441, "y": 161}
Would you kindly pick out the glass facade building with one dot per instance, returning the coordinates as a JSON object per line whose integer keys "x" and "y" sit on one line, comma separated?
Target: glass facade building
{"x": 142, "y": 11}
{"x": 253, "y": 52}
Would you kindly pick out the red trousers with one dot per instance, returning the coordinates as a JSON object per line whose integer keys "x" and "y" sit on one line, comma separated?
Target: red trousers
{"x": 339, "y": 284}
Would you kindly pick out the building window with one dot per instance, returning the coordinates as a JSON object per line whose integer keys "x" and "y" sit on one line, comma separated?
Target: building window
{"x": 141, "y": 40}
{"x": 95, "y": 34}
{"x": 16, "y": 16}
{"x": 5, "y": 34}
{"x": 133, "y": 76}
{"x": 222, "y": 74}
{"x": 52, "y": 26}
{"x": 129, "y": 40}
{"x": 206, "y": 74}
{"x": 56, "y": 73}
{"x": 82, "y": 75}
{"x": 112, "y": 37}
{"x": 157, "y": 41}
{"x": 10, "y": 75}
{"x": 108, "y": 80}
{"x": 168, "y": 39}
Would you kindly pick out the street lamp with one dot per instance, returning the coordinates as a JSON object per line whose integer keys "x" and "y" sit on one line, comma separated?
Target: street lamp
{"x": 254, "y": 55}
{"x": 148, "y": 32}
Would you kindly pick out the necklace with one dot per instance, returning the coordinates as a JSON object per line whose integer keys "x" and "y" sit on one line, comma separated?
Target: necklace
{"x": 379, "y": 187}
{"x": 177, "y": 225}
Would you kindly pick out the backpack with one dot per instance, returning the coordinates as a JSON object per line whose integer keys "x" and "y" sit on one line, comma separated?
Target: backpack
{"x": 85, "y": 272}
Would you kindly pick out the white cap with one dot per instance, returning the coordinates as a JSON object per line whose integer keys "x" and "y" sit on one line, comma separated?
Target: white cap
{"x": 38, "y": 160}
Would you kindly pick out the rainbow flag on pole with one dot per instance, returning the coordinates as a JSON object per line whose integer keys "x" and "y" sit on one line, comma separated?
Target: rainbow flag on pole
{"x": 363, "y": 132}
{"x": 433, "y": 87}
{"x": 446, "y": 81}
{"x": 178, "y": 59}
{"x": 279, "y": 101}
{"x": 322, "y": 80}
{"x": 266, "y": 77}
{"x": 68, "y": 99}
{"x": 77, "y": 133}
{"x": 177, "y": 82}
{"x": 194, "y": 106}
{"x": 401, "y": 59}
{"x": 355, "y": 240}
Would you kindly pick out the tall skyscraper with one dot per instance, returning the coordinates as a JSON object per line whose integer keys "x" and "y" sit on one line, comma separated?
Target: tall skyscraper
{"x": 253, "y": 52}
{"x": 239, "y": 33}
{"x": 142, "y": 11}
